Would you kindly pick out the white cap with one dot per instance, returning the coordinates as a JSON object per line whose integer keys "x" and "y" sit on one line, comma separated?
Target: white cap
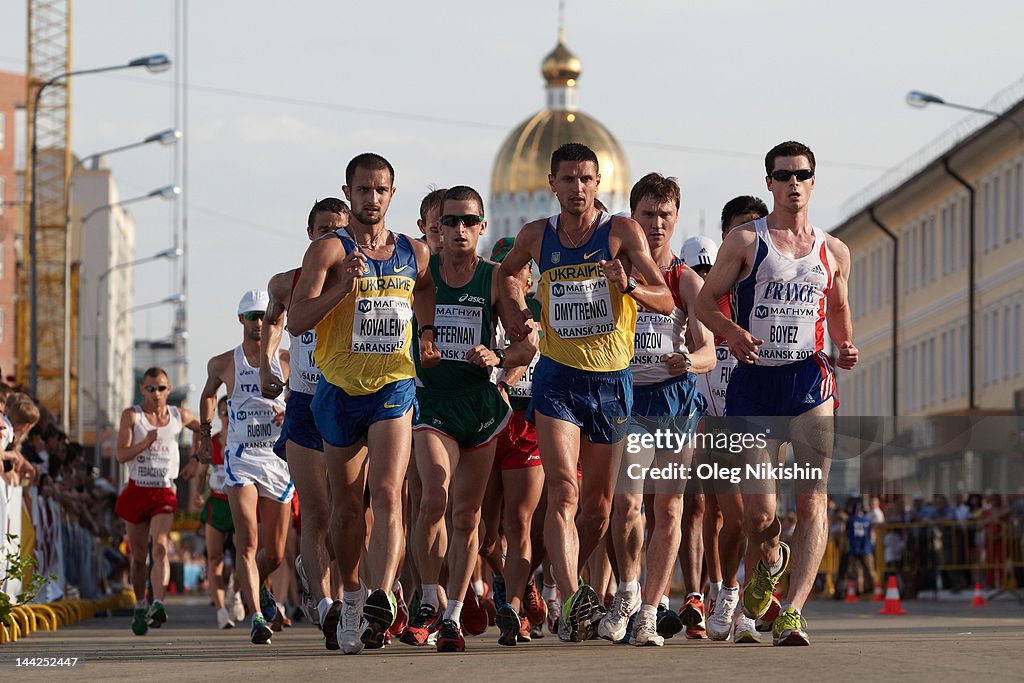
{"x": 700, "y": 251}
{"x": 254, "y": 300}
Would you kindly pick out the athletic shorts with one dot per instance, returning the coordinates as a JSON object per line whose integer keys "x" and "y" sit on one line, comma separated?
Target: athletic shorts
{"x": 517, "y": 445}
{"x": 344, "y": 420}
{"x": 299, "y": 426}
{"x": 674, "y": 404}
{"x": 137, "y": 504}
{"x": 268, "y": 473}
{"x": 597, "y": 402}
{"x": 473, "y": 419}
{"x": 781, "y": 390}
{"x": 217, "y": 513}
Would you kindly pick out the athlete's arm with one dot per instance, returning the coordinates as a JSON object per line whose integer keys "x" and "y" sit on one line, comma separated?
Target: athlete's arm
{"x": 837, "y": 305}
{"x": 731, "y": 261}
{"x": 512, "y": 309}
{"x": 702, "y": 347}
{"x": 215, "y": 370}
{"x": 279, "y": 289}
{"x": 328, "y": 276}
{"x": 188, "y": 419}
{"x": 424, "y": 299}
{"x": 652, "y": 293}
{"x": 126, "y": 450}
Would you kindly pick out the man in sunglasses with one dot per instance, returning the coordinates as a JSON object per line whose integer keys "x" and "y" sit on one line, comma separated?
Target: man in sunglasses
{"x": 595, "y": 269}
{"x": 147, "y": 442}
{"x": 258, "y": 482}
{"x": 788, "y": 279}
{"x": 359, "y": 290}
{"x": 300, "y": 443}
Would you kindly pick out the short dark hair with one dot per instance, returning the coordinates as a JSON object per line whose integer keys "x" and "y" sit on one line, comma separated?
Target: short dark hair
{"x": 327, "y": 205}
{"x": 658, "y": 187}
{"x": 462, "y": 193}
{"x": 22, "y": 410}
{"x": 790, "y": 148}
{"x": 155, "y": 372}
{"x": 737, "y": 206}
{"x": 573, "y": 151}
{"x": 371, "y": 162}
{"x": 432, "y": 201}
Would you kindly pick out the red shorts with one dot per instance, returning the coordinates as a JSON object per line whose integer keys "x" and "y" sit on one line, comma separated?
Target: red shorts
{"x": 138, "y": 504}
{"x": 296, "y": 514}
{"x": 517, "y": 445}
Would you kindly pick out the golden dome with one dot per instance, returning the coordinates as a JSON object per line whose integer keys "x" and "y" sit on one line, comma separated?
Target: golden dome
{"x": 561, "y": 67}
{"x": 524, "y": 160}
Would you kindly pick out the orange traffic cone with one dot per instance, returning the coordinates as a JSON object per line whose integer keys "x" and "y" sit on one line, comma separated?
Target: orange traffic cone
{"x": 892, "y": 599}
{"x": 851, "y": 592}
{"x": 979, "y": 599}
{"x": 877, "y": 597}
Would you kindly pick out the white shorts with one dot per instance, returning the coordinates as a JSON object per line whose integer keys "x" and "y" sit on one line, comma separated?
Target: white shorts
{"x": 259, "y": 468}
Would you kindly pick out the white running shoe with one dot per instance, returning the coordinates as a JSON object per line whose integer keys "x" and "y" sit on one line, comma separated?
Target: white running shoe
{"x": 224, "y": 619}
{"x": 613, "y": 626}
{"x": 237, "y": 609}
{"x": 645, "y": 630}
{"x": 745, "y": 631}
{"x": 349, "y": 627}
{"x": 719, "y": 622}
{"x": 307, "y": 595}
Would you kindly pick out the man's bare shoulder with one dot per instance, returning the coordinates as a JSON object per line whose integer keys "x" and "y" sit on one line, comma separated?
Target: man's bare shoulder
{"x": 837, "y": 248}
{"x": 221, "y": 361}
{"x": 280, "y": 285}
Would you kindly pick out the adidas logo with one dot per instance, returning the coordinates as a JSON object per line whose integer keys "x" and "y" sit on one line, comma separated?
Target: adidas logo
{"x": 818, "y": 270}
{"x": 703, "y": 250}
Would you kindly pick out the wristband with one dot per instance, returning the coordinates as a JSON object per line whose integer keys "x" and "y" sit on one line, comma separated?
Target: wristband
{"x": 500, "y": 353}
{"x": 430, "y": 328}
{"x": 505, "y": 385}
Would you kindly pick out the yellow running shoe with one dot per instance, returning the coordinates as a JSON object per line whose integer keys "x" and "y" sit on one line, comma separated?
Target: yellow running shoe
{"x": 757, "y": 594}
{"x": 790, "y": 628}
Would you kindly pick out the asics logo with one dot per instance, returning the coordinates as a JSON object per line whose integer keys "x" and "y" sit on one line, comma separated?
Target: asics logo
{"x": 399, "y": 270}
{"x": 587, "y": 256}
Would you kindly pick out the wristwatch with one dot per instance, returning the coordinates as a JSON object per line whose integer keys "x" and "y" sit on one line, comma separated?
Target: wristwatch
{"x": 506, "y": 386}
{"x": 687, "y": 362}
{"x": 631, "y": 284}
{"x": 500, "y": 353}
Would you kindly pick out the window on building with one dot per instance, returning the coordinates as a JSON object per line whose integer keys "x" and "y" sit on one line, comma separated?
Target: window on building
{"x": 1018, "y": 216}
{"x": 963, "y": 227}
{"x": 1008, "y": 205}
{"x": 962, "y": 361}
{"x": 932, "y": 239}
{"x": 986, "y": 220}
{"x": 1006, "y": 343}
{"x": 944, "y": 353}
{"x": 20, "y": 132}
{"x": 944, "y": 229}
{"x": 1016, "y": 336}
{"x": 912, "y": 259}
{"x": 996, "y": 211}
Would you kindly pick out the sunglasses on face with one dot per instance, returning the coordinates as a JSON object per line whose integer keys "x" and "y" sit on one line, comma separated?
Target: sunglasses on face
{"x": 469, "y": 220}
{"x": 801, "y": 175}
{"x": 253, "y": 315}
{"x": 153, "y": 389}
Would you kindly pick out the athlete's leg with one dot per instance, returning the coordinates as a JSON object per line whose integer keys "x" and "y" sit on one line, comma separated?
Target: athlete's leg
{"x": 434, "y": 456}
{"x": 712, "y": 527}
{"x": 523, "y": 487}
{"x": 138, "y": 539}
{"x": 275, "y": 517}
{"x": 491, "y": 516}
{"x": 159, "y": 530}
{"x": 243, "y": 500}
{"x": 471, "y": 467}
{"x": 309, "y": 474}
{"x": 628, "y": 536}
{"x": 215, "y": 565}
{"x": 390, "y": 443}
{"x": 346, "y": 474}
{"x": 559, "y": 443}
{"x": 691, "y": 547}
{"x": 600, "y": 466}
{"x": 663, "y": 542}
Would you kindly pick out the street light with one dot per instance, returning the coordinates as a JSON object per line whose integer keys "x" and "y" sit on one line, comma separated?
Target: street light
{"x": 166, "y": 138}
{"x": 920, "y": 100}
{"x": 154, "y": 64}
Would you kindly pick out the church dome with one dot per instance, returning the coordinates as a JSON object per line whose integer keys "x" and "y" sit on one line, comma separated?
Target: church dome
{"x": 561, "y": 66}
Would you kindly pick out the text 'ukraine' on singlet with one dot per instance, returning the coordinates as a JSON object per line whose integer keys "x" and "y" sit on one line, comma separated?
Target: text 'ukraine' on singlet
{"x": 520, "y": 393}
{"x": 464, "y": 318}
{"x": 587, "y": 322}
{"x": 363, "y": 344}
{"x": 303, "y": 373}
{"x": 657, "y": 334}
{"x": 251, "y": 428}
{"x": 782, "y": 300}
{"x": 157, "y": 466}
{"x": 714, "y": 384}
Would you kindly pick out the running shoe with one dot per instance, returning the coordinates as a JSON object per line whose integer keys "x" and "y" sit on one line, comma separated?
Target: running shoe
{"x": 509, "y": 625}
{"x": 330, "y": 625}
{"x": 237, "y": 609}
{"x": 401, "y": 615}
{"x": 268, "y": 607}
{"x": 224, "y": 619}
{"x": 645, "y": 630}
{"x": 260, "y": 633}
{"x": 613, "y": 626}
{"x": 474, "y": 614}
{"x": 427, "y": 621}
{"x": 157, "y": 614}
{"x": 577, "y": 613}
{"x": 378, "y": 615}
{"x": 533, "y": 605}
{"x": 790, "y": 628}
{"x": 536, "y": 631}
{"x": 286, "y": 621}
{"x": 624, "y": 640}
{"x": 498, "y": 582}
{"x": 692, "y": 615}
{"x": 524, "y": 635}
{"x": 307, "y": 595}
{"x": 757, "y": 594}
{"x": 140, "y": 622}
{"x": 719, "y": 623}
{"x": 744, "y": 630}
{"x": 554, "y": 611}
{"x": 669, "y": 623}
{"x": 348, "y": 629}
{"x": 764, "y": 624}
{"x": 449, "y": 638}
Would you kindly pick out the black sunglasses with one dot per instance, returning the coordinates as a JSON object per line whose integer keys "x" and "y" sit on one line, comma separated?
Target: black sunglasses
{"x": 151, "y": 389}
{"x": 253, "y": 315}
{"x": 801, "y": 175}
{"x": 468, "y": 219}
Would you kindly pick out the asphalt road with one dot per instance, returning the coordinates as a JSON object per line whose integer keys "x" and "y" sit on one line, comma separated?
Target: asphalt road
{"x": 936, "y": 641}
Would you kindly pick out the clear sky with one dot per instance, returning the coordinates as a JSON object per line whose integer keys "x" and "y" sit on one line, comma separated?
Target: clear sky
{"x": 283, "y": 94}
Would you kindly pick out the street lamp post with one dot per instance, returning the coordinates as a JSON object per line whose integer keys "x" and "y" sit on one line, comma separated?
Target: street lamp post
{"x": 165, "y": 138}
{"x": 920, "y": 100}
{"x": 154, "y": 64}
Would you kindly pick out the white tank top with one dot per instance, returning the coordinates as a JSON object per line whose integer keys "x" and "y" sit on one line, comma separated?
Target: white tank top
{"x": 782, "y": 300}
{"x": 524, "y": 387}
{"x": 304, "y": 373}
{"x": 157, "y": 466}
{"x": 713, "y": 385}
{"x": 656, "y": 335}
{"x": 250, "y": 416}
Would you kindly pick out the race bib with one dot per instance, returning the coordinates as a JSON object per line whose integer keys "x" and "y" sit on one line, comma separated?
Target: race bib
{"x": 524, "y": 387}
{"x": 458, "y": 330}
{"x": 652, "y": 339}
{"x": 581, "y": 308}
{"x": 379, "y": 324}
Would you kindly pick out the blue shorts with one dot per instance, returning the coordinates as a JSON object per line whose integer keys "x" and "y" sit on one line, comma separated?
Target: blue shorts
{"x": 596, "y": 402}
{"x": 299, "y": 426}
{"x": 781, "y": 390}
{"x": 345, "y": 420}
{"x": 674, "y": 404}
